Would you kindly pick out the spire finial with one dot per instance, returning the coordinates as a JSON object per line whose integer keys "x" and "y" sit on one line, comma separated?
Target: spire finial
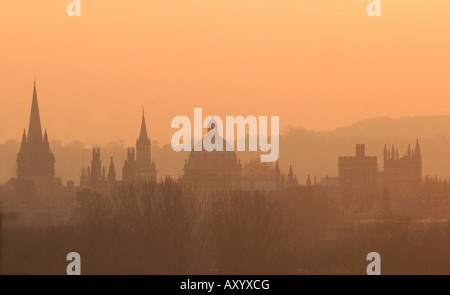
{"x": 418, "y": 153}
{"x": 34, "y": 128}
{"x": 143, "y": 133}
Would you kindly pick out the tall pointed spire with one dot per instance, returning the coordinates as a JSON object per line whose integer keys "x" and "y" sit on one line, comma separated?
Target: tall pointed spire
{"x": 291, "y": 172}
{"x": 418, "y": 154}
{"x": 112, "y": 171}
{"x": 34, "y": 129}
{"x": 143, "y": 134}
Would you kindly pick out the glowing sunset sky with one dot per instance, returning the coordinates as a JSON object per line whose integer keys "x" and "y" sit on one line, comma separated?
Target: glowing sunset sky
{"x": 317, "y": 64}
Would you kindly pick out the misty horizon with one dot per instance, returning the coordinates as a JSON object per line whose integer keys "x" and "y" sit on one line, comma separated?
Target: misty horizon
{"x": 310, "y": 153}
{"x": 288, "y": 128}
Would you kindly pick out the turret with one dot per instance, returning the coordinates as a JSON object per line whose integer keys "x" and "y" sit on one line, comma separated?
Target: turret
{"x": 112, "y": 171}
{"x": 360, "y": 150}
{"x": 83, "y": 175}
{"x": 418, "y": 154}
{"x": 24, "y": 136}
{"x": 291, "y": 181}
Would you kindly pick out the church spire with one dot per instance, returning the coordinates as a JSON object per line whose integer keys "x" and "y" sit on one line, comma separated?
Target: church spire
{"x": 143, "y": 134}
{"x": 418, "y": 154}
{"x": 34, "y": 129}
{"x": 112, "y": 171}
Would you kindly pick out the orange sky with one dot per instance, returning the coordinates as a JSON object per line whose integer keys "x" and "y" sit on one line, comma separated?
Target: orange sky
{"x": 317, "y": 64}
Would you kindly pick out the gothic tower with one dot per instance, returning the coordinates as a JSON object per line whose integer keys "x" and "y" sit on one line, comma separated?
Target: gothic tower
{"x": 145, "y": 171}
{"x": 96, "y": 166}
{"x": 95, "y": 178}
{"x": 112, "y": 172}
{"x": 403, "y": 172}
{"x": 35, "y": 161}
{"x": 291, "y": 180}
{"x": 139, "y": 167}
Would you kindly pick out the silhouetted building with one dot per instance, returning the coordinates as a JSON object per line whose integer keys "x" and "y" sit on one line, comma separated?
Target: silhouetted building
{"x": 261, "y": 176}
{"x": 94, "y": 177}
{"x": 139, "y": 167}
{"x": 35, "y": 160}
{"x": 358, "y": 183}
{"x": 402, "y": 180}
{"x": 291, "y": 179}
{"x": 359, "y": 170}
{"x": 392, "y": 191}
{"x": 36, "y": 197}
{"x": 215, "y": 170}
{"x": 402, "y": 172}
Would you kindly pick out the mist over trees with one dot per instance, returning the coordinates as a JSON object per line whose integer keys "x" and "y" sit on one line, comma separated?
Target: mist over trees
{"x": 166, "y": 229}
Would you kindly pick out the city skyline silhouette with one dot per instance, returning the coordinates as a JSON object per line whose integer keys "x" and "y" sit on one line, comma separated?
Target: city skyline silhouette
{"x": 356, "y": 106}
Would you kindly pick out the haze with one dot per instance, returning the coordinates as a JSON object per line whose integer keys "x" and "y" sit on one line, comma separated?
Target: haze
{"x": 316, "y": 64}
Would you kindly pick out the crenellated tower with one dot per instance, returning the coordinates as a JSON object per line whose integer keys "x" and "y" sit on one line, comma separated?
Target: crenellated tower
{"x": 359, "y": 170}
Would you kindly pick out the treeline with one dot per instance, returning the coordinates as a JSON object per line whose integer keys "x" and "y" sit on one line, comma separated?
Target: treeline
{"x": 165, "y": 229}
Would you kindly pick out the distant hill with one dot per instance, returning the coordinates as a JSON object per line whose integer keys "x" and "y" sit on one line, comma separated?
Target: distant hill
{"x": 425, "y": 127}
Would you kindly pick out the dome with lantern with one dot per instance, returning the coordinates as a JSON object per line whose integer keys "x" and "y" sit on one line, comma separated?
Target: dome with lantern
{"x": 211, "y": 170}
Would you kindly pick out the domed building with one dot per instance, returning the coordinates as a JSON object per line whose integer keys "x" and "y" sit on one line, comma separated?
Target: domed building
{"x": 206, "y": 171}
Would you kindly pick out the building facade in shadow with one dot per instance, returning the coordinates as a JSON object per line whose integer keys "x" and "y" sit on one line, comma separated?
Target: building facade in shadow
{"x": 35, "y": 160}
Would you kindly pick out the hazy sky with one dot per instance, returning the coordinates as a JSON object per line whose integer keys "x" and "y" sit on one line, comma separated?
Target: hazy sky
{"x": 315, "y": 63}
